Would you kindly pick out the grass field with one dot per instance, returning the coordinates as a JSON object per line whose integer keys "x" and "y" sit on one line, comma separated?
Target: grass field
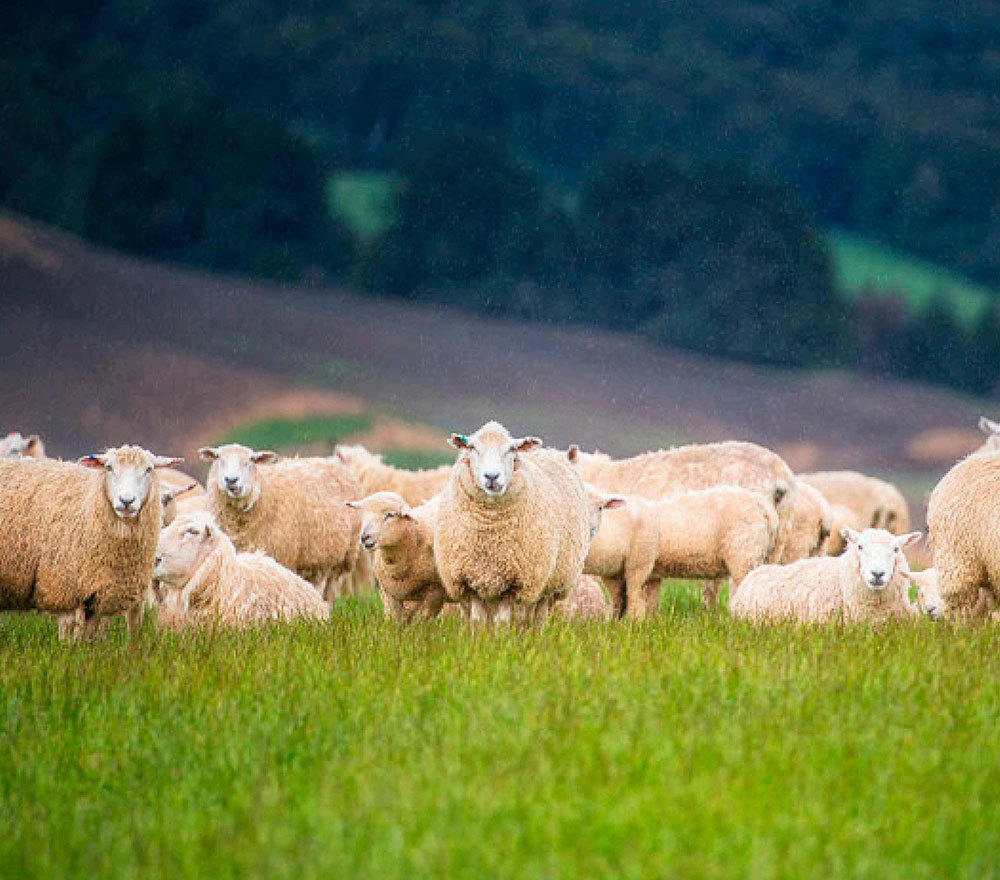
{"x": 684, "y": 746}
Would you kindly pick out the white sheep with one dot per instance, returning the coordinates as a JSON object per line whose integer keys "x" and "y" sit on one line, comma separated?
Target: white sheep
{"x": 870, "y": 581}
{"x": 513, "y": 528}
{"x": 811, "y": 526}
{"x": 876, "y": 503}
{"x": 415, "y": 487}
{"x": 15, "y": 445}
{"x": 78, "y": 539}
{"x": 292, "y": 509}
{"x": 208, "y": 583}
{"x": 586, "y": 602}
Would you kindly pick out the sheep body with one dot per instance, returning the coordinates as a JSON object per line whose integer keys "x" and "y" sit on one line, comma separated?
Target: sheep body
{"x": 586, "y": 602}
{"x": 811, "y": 526}
{"x": 876, "y": 503}
{"x": 415, "y": 487}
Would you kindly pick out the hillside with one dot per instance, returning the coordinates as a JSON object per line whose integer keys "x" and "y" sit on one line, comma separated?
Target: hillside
{"x": 103, "y": 348}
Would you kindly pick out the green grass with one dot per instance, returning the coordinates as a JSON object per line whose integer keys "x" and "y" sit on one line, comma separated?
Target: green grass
{"x": 686, "y": 746}
{"x": 362, "y": 200}
{"x": 281, "y": 433}
{"x": 860, "y": 264}
{"x": 416, "y": 459}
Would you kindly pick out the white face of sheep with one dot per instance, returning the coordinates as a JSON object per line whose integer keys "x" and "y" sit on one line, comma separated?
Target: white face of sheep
{"x": 597, "y": 503}
{"x": 880, "y": 554}
{"x": 492, "y": 456}
{"x": 181, "y": 548}
{"x": 128, "y": 476}
{"x": 15, "y": 445}
{"x": 385, "y": 516}
{"x": 235, "y": 467}
{"x": 992, "y": 431}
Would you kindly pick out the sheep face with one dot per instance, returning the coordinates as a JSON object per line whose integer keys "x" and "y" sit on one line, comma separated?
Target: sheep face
{"x": 992, "y": 431}
{"x": 879, "y": 554}
{"x": 14, "y": 445}
{"x": 490, "y": 457}
{"x": 597, "y": 503}
{"x": 128, "y": 476}
{"x": 234, "y": 469}
{"x": 182, "y": 547}
{"x": 385, "y": 519}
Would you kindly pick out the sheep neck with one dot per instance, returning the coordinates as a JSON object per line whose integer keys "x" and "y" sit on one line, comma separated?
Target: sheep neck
{"x": 200, "y": 586}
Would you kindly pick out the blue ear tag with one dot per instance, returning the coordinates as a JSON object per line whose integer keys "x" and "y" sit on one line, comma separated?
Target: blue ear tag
{"x": 464, "y": 439}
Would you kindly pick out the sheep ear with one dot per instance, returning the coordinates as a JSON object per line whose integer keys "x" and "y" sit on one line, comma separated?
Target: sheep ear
{"x": 96, "y": 460}
{"x": 354, "y": 505}
{"x": 460, "y": 441}
{"x": 169, "y": 493}
{"x": 34, "y": 443}
{"x": 338, "y": 454}
{"x": 208, "y": 453}
{"x": 987, "y": 426}
{"x": 265, "y": 456}
{"x": 613, "y": 502}
{"x": 161, "y": 461}
{"x": 209, "y": 530}
{"x": 911, "y": 538}
{"x": 849, "y": 535}
{"x": 573, "y": 453}
{"x": 525, "y": 444}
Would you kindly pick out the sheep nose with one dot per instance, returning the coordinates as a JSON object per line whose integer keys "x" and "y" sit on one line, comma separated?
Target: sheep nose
{"x": 231, "y": 481}
{"x": 492, "y": 476}
{"x": 126, "y": 500}
{"x": 878, "y": 576}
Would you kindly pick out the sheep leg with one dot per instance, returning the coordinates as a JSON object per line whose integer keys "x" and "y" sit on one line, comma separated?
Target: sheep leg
{"x": 710, "y": 594}
{"x": 432, "y": 604}
{"x": 504, "y": 612}
{"x": 479, "y": 613}
{"x": 541, "y": 611}
{"x": 133, "y": 619}
{"x": 635, "y": 599}
{"x": 652, "y": 590}
{"x": 616, "y": 593}
{"x": 393, "y": 606}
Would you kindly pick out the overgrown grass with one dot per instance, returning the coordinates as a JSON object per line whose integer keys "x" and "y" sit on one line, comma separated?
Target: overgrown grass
{"x": 689, "y": 745}
{"x": 860, "y": 264}
{"x": 280, "y": 433}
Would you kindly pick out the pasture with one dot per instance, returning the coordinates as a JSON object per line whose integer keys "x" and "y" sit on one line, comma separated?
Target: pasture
{"x": 686, "y": 745}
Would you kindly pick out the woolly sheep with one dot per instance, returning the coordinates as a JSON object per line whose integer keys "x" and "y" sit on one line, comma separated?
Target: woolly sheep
{"x": 587, "y": 602}
{"x": 841, "y": 517}
{"x": 291, "y": 509}
{"x": 79, "y": 538}
{"x": 811, "y": 526}
{"x": 655, "y": 475}
{"x": 15, "y": 445}
{"x": 725, "y": 531}
{"x": 868, "y": 582}
{"x": 400, "y": 540}
{"x": 928, "y": 592}
{"x": 415, "y": 487}
{"x": 512, "y": 528}
{"x": 207, "y": 582}
{"x": 876, "y": 503}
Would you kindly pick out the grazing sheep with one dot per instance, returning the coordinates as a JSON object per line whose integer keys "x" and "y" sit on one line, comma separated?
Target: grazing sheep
{"x": 928, "y": 592}
{"x": 291, "y": 509}
{"x": 961, "y": 516}
{"x": 810, "y": 528}
{"x": 400, "y": 540}
{"x": 14, "y": 445}
{"x": 868, "y": 582}
{"x": 990, "y": 428}
{"x": 655, "y": 475}
{"x": 725, "y": 531}
{"x": 876, "y": 503}
{"x": 415, "y": 487}
{"x": 587, "y": 602}
{"x": 512, "y": 528}
{"x": 208, "y": 583}
{"x": 79, "y": 538}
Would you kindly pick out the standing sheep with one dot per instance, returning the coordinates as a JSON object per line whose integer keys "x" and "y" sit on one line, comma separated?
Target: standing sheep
{"x": 415, "y": 487}
{"x": 876, "y": 503}
{"x": 811, "y": 526}
{"x": 79, "y": 539}
{"x": 513, "y": 528}
{"x": 14, "y": 445}
{"x": 868, "y": 582}
{"x": 208, "y": 583}
{"x": 292, "y": 509}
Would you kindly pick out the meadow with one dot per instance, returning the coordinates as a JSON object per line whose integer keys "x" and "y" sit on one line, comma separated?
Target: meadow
{"x": 686, "y": 745}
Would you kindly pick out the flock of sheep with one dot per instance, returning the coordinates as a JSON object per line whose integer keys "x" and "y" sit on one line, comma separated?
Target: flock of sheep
{"x": 510, "y": 532}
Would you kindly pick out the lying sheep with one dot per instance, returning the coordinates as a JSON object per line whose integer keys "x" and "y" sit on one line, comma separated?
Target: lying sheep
{"x": 811, "y": 526}
{"x": 876, "y": 503}
{"x": 208, "y": 583}
{"x": 292, "y": 509}
{"x": 961, "y": 516}
{"x": 655, "y": 475}
{"x": 868, "y": 582}
{"x": 15, "y": 445}
{"x": 710, "y": 534}
{"x": 513, "y": 528}
{"x": 586, "y": 602}
{"x": 400, "y": 540}
{"x": 415, "y": 487}
{"x": 169, "y": 499}
{"x": 78, "y": 539}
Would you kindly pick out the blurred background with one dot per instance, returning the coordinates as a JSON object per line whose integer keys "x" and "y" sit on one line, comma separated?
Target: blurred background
{"x": 620, "y": 224}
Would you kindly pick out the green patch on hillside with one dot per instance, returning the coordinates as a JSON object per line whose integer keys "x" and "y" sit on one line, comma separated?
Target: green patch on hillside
{"x": 861, "y": 265}
{"x": 416, "y": 459}
{"x": 282, "y": 433}
{"x": 363, "y": 201}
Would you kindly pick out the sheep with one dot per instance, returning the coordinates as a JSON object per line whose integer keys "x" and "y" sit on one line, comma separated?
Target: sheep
{"x": 840, "y": 516}
{"x": 868, "y": 582}
{"x": 876, "y": 503}
{"x": 961, "y": 517}
{"x": 654, "y": 475}
{"x": 208, "y": 583}
{"x": 928, "y": 592}
{"x": 291, "y": 509}
{"x": 169, "y": 499}
{"x": 811, "y": 526}
{"x": 415, "y": 487}
{"x": 990, "y": 428}
{"x": 587, "y": 602}
{"x": 512, "y": 528}
{"x": 400, "y": 540}
{"x": 15, "y": 445}
{"x": 78, "y": 539}
{"x": 725, "y": 531}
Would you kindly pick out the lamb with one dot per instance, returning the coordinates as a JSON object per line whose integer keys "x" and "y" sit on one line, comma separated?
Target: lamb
{"x": 15, "y": 445}
{"x": 655, "y": 475}
{"x": 208, "y": 583}
{"x": 415, "y": 487}
{"x": 587, "y": 602}
{"x": 811, "y": 526}
{"x": 962, "y": 516}
{"x": 876, "y": 503}
{"x": 292, "y": 509}
{"x": 78, "y": 539}
{"x": 725, "y": 531}
{"x": 868, "y": 582}
{"x": 400, "y": 540}
{"x": 513, "y": 528}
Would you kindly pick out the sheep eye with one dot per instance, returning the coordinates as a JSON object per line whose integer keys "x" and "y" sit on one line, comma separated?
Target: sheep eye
{"x": 389, "y": 515}
{"x": 860, "y": 547}
{"x": 192, "y": 532}
{"x": 149, "y": 470}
